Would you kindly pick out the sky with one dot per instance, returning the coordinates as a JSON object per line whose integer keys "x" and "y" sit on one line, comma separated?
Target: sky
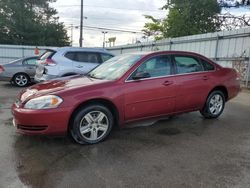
{"x": 115, "y": 14}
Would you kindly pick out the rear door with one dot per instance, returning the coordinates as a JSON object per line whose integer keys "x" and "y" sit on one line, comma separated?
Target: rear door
{"x": 30, "y": 66}
{"x": 86, "y": 61}
{"x": 193, "y": 80}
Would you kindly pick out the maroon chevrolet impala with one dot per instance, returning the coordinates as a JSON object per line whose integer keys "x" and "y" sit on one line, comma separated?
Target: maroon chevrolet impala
{"x": 126, "y": 88}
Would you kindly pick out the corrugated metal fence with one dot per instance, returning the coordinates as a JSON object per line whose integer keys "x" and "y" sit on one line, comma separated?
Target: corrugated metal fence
{"x": 11, "y": 52}
{"x": 228, "y": 48}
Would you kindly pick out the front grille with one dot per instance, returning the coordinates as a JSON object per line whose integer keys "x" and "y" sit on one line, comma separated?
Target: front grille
{"x": 32, "y": 128}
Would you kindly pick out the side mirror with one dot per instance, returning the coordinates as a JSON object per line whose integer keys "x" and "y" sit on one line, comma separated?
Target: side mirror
{"x": 141, "y": 75}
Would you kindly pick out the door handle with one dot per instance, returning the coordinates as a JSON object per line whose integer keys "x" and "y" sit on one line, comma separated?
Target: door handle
{"x": 79, "y": 66}
{"x": 205, "y": 77}
{"x": 167, "y": 83}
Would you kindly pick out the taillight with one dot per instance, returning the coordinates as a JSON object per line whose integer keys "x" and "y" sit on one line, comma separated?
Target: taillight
{"x": 238, "y": 76}
{"x": 48, "y": 62}
{"x": 1, "y": 69}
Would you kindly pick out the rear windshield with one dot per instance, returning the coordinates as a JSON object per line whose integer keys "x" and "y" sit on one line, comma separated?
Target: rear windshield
{"x": 47, "y": 54}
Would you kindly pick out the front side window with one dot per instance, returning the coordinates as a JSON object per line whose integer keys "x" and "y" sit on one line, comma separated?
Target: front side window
{"x": 155, "y": 67}
{"x": 185, "y": 64}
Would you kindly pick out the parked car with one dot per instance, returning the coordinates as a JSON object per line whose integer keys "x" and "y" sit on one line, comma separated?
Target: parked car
{"x": 69, "y": 61}
{"x": 20, "y": 72}
{"x": 229, "y": 3}
{"x": 124, "y": 89}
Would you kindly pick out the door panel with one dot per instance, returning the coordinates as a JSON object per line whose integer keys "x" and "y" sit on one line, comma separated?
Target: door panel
{"x": 192, "y": 91}
{"x": 151, "y": 96}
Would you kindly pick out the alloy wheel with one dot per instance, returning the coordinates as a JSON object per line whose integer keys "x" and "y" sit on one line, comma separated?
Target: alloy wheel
{"x": 94, "y": 125}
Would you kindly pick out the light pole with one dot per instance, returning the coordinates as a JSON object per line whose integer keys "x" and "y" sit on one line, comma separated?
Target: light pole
{"x": 81, "y": 24}
{"x": 104, "y": 33}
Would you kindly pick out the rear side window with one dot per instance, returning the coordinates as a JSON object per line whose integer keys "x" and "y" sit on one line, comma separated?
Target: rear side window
{"x": 207, "y": 66}
{"x": 84, "y": 57}
{"x": 70, "y": 55}
{"x": 31, "y": 61}
{"x": 186, "y": 64}
{"x": 106, "y": 57}
{"x": 47, "y": 54}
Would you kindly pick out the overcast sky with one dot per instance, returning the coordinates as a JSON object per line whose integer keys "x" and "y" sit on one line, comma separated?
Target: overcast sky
{"x": 116, "y": 14}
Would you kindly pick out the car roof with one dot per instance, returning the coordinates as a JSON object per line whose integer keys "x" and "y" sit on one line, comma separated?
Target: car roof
{"x": 69, "y": 49}
{"x": 147, "y": 53}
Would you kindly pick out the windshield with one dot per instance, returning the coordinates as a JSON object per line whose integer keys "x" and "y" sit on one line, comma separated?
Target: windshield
{"x": 115, "y": 67}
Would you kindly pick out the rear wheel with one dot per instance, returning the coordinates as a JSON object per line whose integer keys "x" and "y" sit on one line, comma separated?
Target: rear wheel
{"x": 214, "y": 105}
{"x": 21, "y": 80}
{"x": 91, "y": 124}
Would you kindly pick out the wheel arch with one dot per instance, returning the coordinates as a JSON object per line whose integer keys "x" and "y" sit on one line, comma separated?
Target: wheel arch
{"x": 221, "y": 88}
{"x": 20, "y": 73}
{"x": 107, "y": 103}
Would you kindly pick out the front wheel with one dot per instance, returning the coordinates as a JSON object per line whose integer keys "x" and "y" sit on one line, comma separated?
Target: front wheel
{"x": 214, "y": 105}
{"x": 91, "y": 124}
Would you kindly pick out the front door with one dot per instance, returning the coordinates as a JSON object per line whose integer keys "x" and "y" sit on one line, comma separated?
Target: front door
{"x": 152, "y": 96}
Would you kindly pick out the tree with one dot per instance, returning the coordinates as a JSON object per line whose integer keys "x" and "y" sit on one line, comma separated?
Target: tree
{"x": 185, "y": 17}
{"x": 31, "y": 22}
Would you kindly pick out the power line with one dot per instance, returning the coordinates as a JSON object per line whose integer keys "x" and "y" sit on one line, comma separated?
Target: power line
{"x": 109, "y": 29}
{"x": 130, "y": 9}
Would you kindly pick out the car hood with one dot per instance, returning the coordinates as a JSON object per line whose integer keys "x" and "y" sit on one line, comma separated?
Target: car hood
{"x": 56, "y": 85}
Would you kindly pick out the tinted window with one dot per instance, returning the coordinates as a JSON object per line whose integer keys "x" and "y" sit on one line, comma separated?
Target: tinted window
{"x": 207, "y": 66}
{"x": 70, "y": 55}
{"x": 86, "y": 57}
{"x": 105, "y": 57}
{"x": 156, "y": 67}
{"x": 186, "y": 64}
{"x": 47, "y": 54}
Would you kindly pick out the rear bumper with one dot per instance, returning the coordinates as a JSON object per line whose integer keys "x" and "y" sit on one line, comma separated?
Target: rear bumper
{"x": 4, "y": 77}
{"x": 44, "y": 77}
{"x": 41, "y": 122}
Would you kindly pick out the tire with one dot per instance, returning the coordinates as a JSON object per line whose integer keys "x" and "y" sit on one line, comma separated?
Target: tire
{"x": 21, "y": 80}
{"x": 214, "y": 106}
{"x": 86, "y": 128}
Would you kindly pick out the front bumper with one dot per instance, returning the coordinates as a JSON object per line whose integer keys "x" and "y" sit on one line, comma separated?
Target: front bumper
{"x": 41, "y": 122}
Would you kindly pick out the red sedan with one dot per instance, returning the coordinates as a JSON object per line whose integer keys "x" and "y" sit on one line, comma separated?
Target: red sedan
{"x": 127, "y": 88}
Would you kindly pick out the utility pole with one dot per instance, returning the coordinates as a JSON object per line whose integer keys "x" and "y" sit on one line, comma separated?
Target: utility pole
{"x": 71, "y": 34}
{"x": 104, "y": 33}
{"x": 81, "y": 24}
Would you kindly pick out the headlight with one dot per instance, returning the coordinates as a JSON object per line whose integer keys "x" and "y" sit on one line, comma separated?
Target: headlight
{"x": 44, "y": 102}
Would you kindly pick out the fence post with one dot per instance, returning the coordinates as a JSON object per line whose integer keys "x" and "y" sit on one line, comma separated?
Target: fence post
{"x": 216, "y": 48}
{"x": 23, "y": 51}
{"x": 170, "y": 45}
{"x": 248, "y": 70}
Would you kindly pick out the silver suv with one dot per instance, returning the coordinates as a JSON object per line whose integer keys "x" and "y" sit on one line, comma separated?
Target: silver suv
{"x": 67, "y": 61}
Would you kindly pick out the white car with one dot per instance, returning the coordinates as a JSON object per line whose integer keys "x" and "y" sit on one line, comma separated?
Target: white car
{"x": 229, "y": 3}
{"x": 67, "y": 61}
